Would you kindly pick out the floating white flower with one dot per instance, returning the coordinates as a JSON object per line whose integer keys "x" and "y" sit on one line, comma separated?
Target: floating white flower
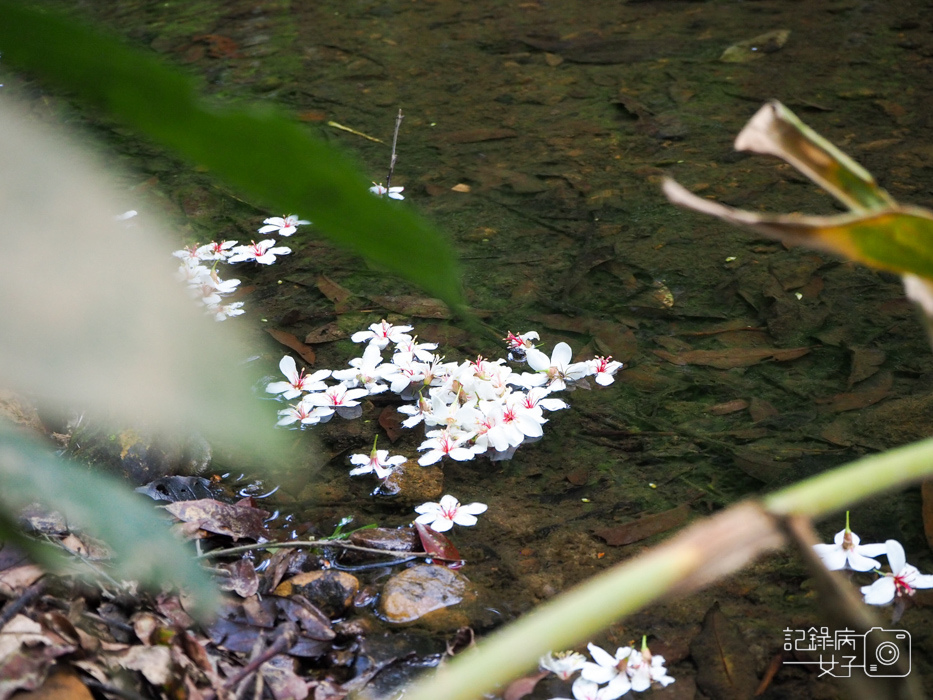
{"x": 901, "y": 581}
{"x": 377, "y": 461}
{"x": 563, "y": 664}
{"x": 263, "y": 252}
{"x": 444, "y": 515}
{"x": 557, "y": 369}
{"x": 381, "y": 334}
{"x": 604, "y": 368}
{"x": 283, "y": 225}
{"x": 297, "y": 381}
{"x": 441, "y": 443}
{"x": 645, "y": 668}
{"x": 392, "y": 192}
{"x": 609, "y": 669}
{"x": 848, "y": 552}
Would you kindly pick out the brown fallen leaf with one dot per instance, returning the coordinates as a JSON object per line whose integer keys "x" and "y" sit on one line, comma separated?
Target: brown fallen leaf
{"x": 731, "y": 357}
{"x": 414, "y": 305}
{"x": 241, "y": 578}
{"x": 391, "y": 421}
{"x": 723, "y": 409}
{"x": 516, "y": 690}
{"x": 725, "y": 666}
{"x": 327, "y": 333}
{"x": 332, "y": 290}
{"x": 290, "y": 341}
{"x": 865, "y": 363}
{"x": 644, "y": 527}
{"x": 221, "y": 518}
{"x": 869, "y": 392}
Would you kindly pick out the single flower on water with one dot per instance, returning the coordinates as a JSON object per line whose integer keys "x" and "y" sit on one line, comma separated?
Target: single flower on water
{"x": 846, "y": 551}
{"x": 392, "y": 192}
{"x": 442, "y": 516}
{"x": 283, "y": 225}
{"x": 901, "y": 582}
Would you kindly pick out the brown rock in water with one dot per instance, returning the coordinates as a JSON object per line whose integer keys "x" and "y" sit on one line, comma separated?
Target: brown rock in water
{"x": 410, "y": 595}
{"x": 331, "y": 591}
{"x": 414, "y": 484}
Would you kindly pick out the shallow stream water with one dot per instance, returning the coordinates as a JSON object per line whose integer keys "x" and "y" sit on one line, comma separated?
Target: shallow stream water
{"x": 562, "y": 118}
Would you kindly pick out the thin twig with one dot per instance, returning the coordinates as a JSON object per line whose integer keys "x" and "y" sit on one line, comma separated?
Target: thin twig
{"x": 398, "y": 124}
{"x": 29, "y": 595}
{"x": 309, "y": 543}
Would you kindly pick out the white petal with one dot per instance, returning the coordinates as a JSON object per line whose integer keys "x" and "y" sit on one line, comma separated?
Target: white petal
{"x": 896, "y": 557}
{"x": 474, "y": 508}
{"x": 857, "y": 562}
{"x": 602, "y": 657}
{"x": 464, "y": 519}
{"x": 881, "y": 592}
{"x": 562, "y": 355}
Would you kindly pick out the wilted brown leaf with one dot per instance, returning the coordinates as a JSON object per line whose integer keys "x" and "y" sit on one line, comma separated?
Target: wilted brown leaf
{"x": 518, "y": 689}
{"x": 391, "y": 421}
{"x": 725, "y": 666}
{"x": 241, "y": 578}
{"x": 326, "y": 334}
{"x": 727, "y": 407}
{"x": 865, "y": 363}
{"x": 644, "y": 527}
{"x": 333, "y": 291}
{"x": 414, "y": 305}
{"x": 221, "y": 518}
{"x": 290, "y": 341}
{"x": 867, "y": 393}
{"x": 731, "y": 357}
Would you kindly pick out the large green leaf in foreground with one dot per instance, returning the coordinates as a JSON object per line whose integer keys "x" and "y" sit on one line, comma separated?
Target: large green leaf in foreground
{"x": 270, "y": 158}
{"x": 143, "y": 548}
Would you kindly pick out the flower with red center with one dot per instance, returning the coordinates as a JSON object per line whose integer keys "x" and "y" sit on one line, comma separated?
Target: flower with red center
{"x": 283, "y": 225}
{"x": 441, "y": 443}
{"x": 604, "y": 368}
{"x": 297, "y": 381}
{"x": 442, "y": 516}
{"x": 263, "y": 252}
{"x": 899, "y": 582}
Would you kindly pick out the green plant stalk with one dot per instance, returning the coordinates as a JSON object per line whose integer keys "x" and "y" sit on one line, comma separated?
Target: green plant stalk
{"x": 675, "y": 566}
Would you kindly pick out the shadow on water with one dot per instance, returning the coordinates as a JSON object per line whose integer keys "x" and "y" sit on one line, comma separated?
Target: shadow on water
{"x": 536, "y": 135}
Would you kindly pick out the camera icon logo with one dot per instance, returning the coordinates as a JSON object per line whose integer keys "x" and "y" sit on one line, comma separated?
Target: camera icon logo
{"x": 886, "y": 653}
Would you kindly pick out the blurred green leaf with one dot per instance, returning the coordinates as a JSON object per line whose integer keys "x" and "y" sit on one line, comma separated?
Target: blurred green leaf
{"x": 263, "y": 153}
{"x": 144, "y": 550}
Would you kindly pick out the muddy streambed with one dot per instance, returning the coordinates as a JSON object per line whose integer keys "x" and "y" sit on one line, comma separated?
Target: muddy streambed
{"x": 535, "y": 136}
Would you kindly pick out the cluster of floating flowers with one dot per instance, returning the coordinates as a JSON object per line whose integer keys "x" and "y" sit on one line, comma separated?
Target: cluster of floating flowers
{"x": 607, "y": 677}
{"x": 205, "y": 285}
{"x": 469, "y": 409}
{"x": 848, "y": 552}
{"x": 203, "y": 282}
